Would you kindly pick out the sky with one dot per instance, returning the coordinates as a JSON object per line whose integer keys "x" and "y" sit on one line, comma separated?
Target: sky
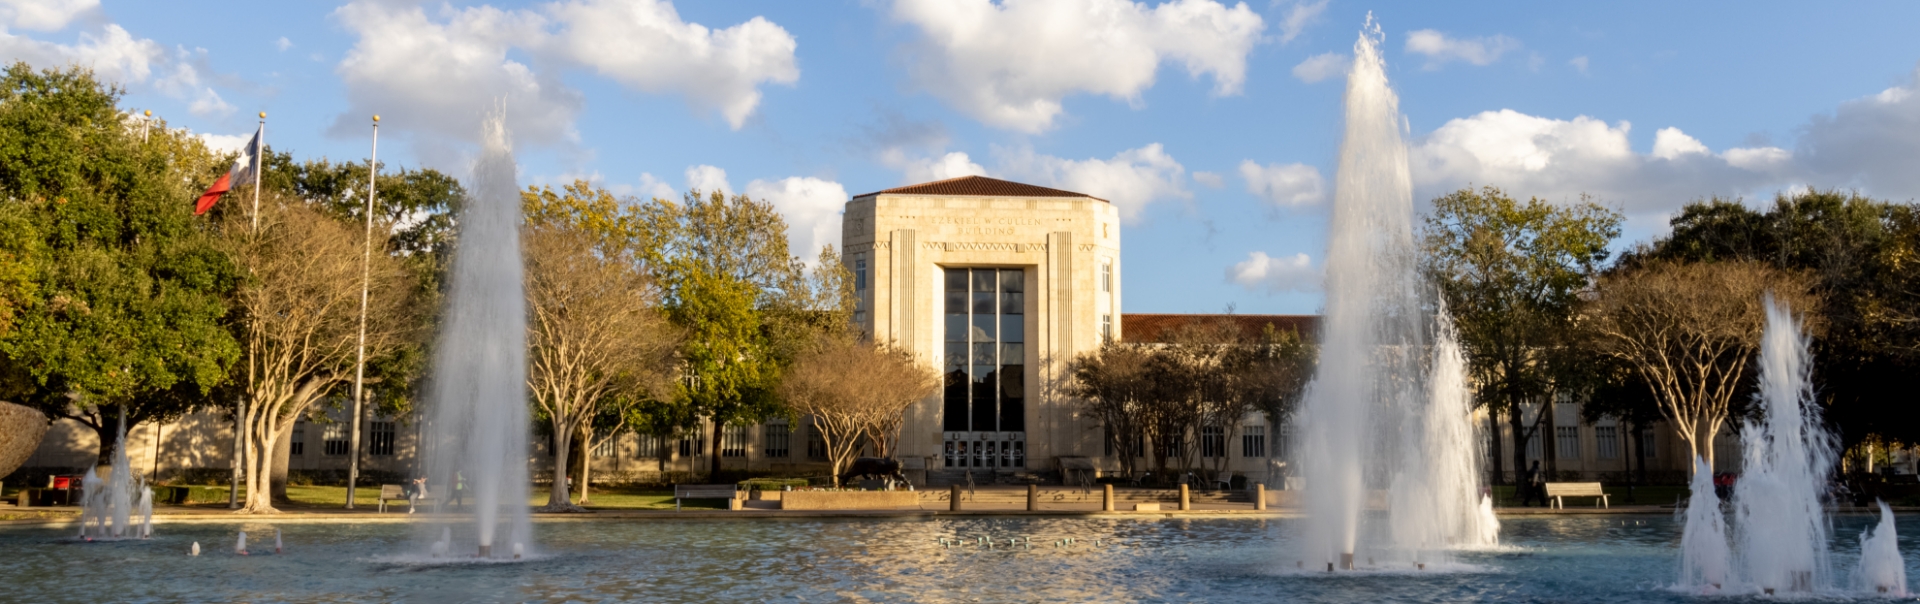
{"x": 1215, "y": 127}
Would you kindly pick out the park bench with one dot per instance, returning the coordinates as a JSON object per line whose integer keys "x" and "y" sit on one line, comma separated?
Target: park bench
{"x": 1557, "y": 490}
{"x": 705, "y": 491}
{"x": 394, "y": 492}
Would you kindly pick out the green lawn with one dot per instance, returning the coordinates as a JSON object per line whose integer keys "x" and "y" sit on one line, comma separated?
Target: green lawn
{"x": 1616, "y": 495}
{"x": 320, "y": 497}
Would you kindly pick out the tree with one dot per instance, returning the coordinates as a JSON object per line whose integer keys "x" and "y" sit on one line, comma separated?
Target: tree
{"x": 299, "y": 314}
{"x": 855, "y": 390}
{"x": 1860, "y": 253}
{"x": 1510, "y": 274}
{"x": 110, "y": 290}
{"x": 1112, "y": 386}
{"x": 732, "y": 286}
{"x": 596, "y": 336}
{"x": 1690, "y": 330}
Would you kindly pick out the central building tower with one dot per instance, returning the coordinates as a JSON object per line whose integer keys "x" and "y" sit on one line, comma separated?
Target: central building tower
{"x": 999, "y": 284}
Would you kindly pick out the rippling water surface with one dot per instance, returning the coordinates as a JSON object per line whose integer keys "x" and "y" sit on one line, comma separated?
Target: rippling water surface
{"x": 1564, "y": 559}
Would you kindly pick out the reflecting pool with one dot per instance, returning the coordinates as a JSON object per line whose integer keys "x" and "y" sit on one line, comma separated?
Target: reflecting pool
{"x": 1224, "y": 559}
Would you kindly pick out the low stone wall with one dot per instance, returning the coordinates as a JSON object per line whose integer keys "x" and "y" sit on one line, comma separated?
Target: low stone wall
{"x": 848, "y": 500}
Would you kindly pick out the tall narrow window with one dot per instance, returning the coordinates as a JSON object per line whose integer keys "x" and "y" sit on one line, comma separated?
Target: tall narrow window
{"x": 983, "y": 401}
{"x": 1606, "y": 440}
{"x": 382, "y": 442}
{"x": 860, "y": 272}
{"x": 693, "y": 443}
{"x": 299, "y": 444}
{"x": 1569, "y": 441}
{"x": 606, "y": 447}
{"x": 1646, "y": 444}
{"x": 816, "y": 446}
{"x": 1106, "y": 276}
{"x": 733, "y": 441}
{"x": 776, "y": 438}
{"x": 1253, "y": 441}
{"x": 1213, "y": 442}
{"x": 336, "y": 438}
{"x": 1106, "y": 328}
{"x": 646, "y": 446}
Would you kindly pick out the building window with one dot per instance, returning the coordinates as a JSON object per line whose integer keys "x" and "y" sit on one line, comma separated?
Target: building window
{"x": 733, "y": 441}
{"x": 816, "y": 446}
{"x": 776, "y": 437}
{"x": 1534, "y": 450}
{"x": 1283, "y": 440}
{"x": 1106, "y": 276}
{"x": 382, "y": 442}
{"x": 1568, "y": 438}
{"x": 646, "y": 446}
{"x": 1213, "y": 442}
{"x": 860, "y": 272}
{"x": 983, "y": 410}
{"x": 336, "y": 438}
{"x": 1607, "y": 440}
{"x": 694, "y": 442}
{"x": 1646, "y": 444}
{"x": 1106, "y": 328}
{"x": 1253, "y": 441}
{"x": 298, "y": 446}
{"x": 606, "y": 447}
{"x": 1174, "y": 447}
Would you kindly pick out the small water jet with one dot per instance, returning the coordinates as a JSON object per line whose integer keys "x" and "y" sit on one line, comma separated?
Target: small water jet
{"x": 1881, "y": 568}
{"x": 478, "y": 420}
{"x": 240, "y": 545}
{"x": 195, "y": 551}
{"x": 1705, "y": 559}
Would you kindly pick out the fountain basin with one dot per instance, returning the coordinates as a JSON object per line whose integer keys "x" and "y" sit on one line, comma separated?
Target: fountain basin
{"x": 849, "y": 500}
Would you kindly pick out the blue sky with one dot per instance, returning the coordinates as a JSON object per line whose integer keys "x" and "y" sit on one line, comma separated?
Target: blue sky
{"x": 1213, "y": 125}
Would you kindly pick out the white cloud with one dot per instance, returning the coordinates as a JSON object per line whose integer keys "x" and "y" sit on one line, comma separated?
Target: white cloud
{"x": 1131, "y": 180}
{"x": 1321, "y": 66}
{"x": 1671, "y": 143}
{"x": 1440, "y": 49}
{"x": 1559, "y": 160}
{"x": 985, "y": 59}
{"x": 1579, "y": 64}
{"x": 1299, "y": 16}
{"x": 283, "y": 44}
{"x": 1288, "y": 186}
{"x": 225, "y": 143}
{"x": 1260, "y": 272}
{"x": 43, "y": 15}
{"x": 928, "y": 169}
{"x": 1213, "y": 180}
{"x": 812, "y": 208}
{"x": 436, "y": 73}
{"x": 707, "y": 179}
{"x": 644, "y": 45}
{"x": 1869, "y": 142}
{"x": 651, "y": 187}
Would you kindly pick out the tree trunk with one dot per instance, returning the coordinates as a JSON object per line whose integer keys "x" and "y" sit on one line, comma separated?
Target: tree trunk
{"x": 1639, "y": 454}
{"x": 259, "y": 464}
{"x": 108, "y": 435}
{"x": 558, "y": 496}
{"x": 282, "y": 454}
{"x": 1516, "y": 424}
{"x": 713, "y": 471}
{"x": 1550, "y": 436}
{"x": 1493, "y": 448}
{"x": 586, "y": 464}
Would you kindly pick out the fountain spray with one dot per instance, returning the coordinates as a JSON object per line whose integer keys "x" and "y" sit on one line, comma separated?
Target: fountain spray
{"x": 478, "y": 420}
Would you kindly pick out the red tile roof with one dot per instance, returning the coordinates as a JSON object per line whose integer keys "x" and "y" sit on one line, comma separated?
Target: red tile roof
{"x": 1158, "y": 327}
{"x": 978, "y": 186}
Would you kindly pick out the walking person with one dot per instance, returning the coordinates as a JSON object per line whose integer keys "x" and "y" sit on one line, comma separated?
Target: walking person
{"x": 459, "y": 491}
{"x": 415, "y": 492}
{"x": 1535, "y": 486}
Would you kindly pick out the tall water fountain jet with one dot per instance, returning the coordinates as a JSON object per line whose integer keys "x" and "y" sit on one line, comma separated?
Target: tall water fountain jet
{"x": 1780, "y": 528}
{"x": 478, "y": 420}
{"x": 119, "y": 506}
{"x": 1384, "y": 410}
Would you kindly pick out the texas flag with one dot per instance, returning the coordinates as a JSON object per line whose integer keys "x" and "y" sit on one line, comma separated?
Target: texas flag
{"x": 240, "y": 174}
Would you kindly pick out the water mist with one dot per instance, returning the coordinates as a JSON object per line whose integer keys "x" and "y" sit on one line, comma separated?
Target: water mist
{"x": 478, "y": 422}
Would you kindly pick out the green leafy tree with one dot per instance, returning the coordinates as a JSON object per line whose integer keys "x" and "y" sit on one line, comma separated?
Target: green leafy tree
{"x": 113, "y": 292}
{"x": 1510, "y": 273}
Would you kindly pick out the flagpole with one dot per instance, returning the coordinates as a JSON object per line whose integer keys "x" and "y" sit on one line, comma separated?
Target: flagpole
{"x": 239, "y": 402}
{"x": 360, "y": 354}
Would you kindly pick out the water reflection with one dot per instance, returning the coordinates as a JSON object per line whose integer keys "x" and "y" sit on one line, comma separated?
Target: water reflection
{"x": 1565, "y": 559}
